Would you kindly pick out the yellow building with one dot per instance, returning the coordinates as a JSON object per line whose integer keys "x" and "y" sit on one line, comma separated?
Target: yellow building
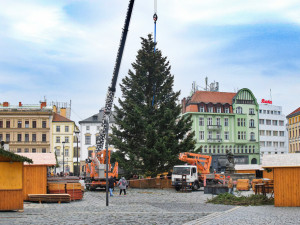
{"x": 294, "y": 131}
{"x": 62, "y": 142}
{"x": 26, "y": 128}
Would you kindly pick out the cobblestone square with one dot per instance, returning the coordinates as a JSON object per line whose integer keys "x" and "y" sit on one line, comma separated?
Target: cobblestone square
{"x": 149, "y": 206}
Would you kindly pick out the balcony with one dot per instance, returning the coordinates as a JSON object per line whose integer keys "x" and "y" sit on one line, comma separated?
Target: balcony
{"x": 214, "y": 140}
{"x": 214, "y": 127}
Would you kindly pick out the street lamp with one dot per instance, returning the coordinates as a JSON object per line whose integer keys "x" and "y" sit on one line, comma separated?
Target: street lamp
{"x": 78, "y": 167}
{"x": 63, "y": 157}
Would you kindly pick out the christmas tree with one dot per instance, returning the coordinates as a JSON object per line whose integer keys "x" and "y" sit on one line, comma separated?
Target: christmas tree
{"x": 150, "y": 132}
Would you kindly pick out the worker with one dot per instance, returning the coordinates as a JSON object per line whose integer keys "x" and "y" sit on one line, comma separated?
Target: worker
{"x": 230, "y": 185}
{"x": 111, "y": 184}
{"x": 122, "y": 185}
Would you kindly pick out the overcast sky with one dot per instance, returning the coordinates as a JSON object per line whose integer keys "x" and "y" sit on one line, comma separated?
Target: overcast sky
{"x": 66, "y": 50}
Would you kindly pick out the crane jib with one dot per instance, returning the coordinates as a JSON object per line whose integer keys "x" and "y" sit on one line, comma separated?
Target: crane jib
{"x": 112, "y": 88}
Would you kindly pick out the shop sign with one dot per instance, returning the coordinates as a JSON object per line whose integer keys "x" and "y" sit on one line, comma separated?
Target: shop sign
{"x": 266, "y": 101}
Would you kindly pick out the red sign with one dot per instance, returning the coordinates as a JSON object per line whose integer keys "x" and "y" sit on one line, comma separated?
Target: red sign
{"x": 266, "y": 101}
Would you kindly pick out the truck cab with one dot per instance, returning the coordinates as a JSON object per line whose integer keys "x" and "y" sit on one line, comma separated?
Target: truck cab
{"x": 191, "y": 173}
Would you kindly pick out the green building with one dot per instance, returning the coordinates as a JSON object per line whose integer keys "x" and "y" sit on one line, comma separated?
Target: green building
{"x": 225, "y": 121}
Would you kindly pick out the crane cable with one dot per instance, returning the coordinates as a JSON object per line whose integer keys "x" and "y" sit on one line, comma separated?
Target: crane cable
{"x": 155, "y": 17}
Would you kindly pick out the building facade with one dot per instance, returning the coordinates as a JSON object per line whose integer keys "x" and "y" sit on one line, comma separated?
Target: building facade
{"x": 62, "y": 142}
{"x": 272, "y": 129}
{"x": 26, "y": 128}
{"x": 89, "y": 130}
{"x": 224, "y": 121}
{"x": 294, "y": 131}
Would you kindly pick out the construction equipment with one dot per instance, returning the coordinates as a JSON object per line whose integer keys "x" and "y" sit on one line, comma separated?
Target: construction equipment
{"x": 197, "y": 173}
{"x": 95, "y": 170}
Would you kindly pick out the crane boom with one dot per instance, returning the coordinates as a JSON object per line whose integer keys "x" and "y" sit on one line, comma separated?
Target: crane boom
{"x": 112, "y": 88}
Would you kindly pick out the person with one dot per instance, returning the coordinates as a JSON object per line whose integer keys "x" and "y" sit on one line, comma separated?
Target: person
{"x": 111, "y": 184}
{"x": 230, "y": 185}
{"x": 122, "y": 185}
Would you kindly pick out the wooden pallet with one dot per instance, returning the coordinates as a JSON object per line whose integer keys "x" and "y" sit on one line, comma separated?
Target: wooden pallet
{"x": 48, "y": 198}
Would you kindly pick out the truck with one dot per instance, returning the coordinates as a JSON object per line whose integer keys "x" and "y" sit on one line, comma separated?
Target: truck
{"x": 196, "y": 173}
{"x": 95, "y": 170}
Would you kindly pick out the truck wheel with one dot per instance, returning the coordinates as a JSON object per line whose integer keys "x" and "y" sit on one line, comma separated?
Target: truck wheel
{"x": 177, "y": 188}
{"x": 195, "y": 186}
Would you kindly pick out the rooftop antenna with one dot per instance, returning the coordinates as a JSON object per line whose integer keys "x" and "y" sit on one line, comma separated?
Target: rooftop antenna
{"x": 270, "y": 94}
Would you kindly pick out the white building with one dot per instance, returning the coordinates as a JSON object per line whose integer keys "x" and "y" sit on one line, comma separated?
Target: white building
{"x": 272, "y": 129}
{"x": 89, "y": 129}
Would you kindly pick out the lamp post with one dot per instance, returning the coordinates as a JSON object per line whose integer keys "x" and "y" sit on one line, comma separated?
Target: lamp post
{"x": 63, "y": 158}
{"x": 106, "y": 155}
{"x": 78, "y": 167}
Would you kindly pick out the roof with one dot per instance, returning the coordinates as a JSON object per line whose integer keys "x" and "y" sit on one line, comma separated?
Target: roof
{"x": 97, "y": 118}
{"x": 59, "y": 118}
{"x": 14, "y": 157}
{"x": 294, "y": 113}
{"x": 248, "y": 167}
{"x": 47, "y": 159}
{"x": 282, "y": 160}
{"x": 213, "y": 97}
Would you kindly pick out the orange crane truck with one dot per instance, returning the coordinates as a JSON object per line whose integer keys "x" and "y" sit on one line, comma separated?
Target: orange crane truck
{"x": 95, "y": 170}
{"x": 197, "y": 174}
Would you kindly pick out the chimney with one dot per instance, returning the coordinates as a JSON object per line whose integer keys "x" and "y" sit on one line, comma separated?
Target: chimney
{"x": 54, "y": 108}
{"x": 63, "y": 112}
{"x": 183, "y": 103}
{"x": 43, "y": 104}
{"x": 20, "y": 104}
{"x": 5, "y": 104}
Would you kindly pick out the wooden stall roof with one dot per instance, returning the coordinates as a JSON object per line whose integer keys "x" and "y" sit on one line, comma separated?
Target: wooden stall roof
{"x": 282, "y": 160}
{"x": 13, "y": 157}
{"x": 46, "y": 159}
{"x": 248, "y": 167}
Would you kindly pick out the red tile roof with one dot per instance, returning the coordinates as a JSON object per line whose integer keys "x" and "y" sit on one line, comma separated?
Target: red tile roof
{"x": 213, "y": 97}
{"x": 295, "y": 111}
{"x": 59, "y": 118}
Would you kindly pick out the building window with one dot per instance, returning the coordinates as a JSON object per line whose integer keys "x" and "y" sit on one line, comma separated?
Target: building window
{"x": 262, "y": 144}
{"x": 201, "y": 135}
{"x": 275, "y": 123}
{"x": 244, "y": 135}
{"x": 44, "y": 150}
{"x": 26, "y": 150}
{"x": 1, "y": 137}
{"x": 260, "y": 111}
{"x": 252, "y": 136}
{"x": 261, "y": 121}
{"x": 1, "y": 124}
{"x": 67, "y": 139}
{"x": 201, "y": 121}
{"x": 268, "y": 122}
{"x": 226, "y": 122}
{"x": 33, "y": 137}
{"x": 210, "y": 109}
{"x": 34, "y": 124}
{"x": 218, "y": 121}
{"x": 261, "y": 133}
{"x": 44, "y": 137}
{"x": 268, "y": 111}
{"x": 251, "y": 123}
{"x": 66, "y": 128}
{"x": 239, "y": 135}
{"x": 19, "y": 137}
{"x": 26, "y": 137}
{"x": 7, "y": 137}
{"x": 251, "y": 111}
{"x": 57, "y": 139}
{"x": 57, "y": 128}
{"x": 19, "y": 124}
{"x": 27, "y": 124}
{"x": 281, "y": 133}
{"x": 226, "y": 110}
{"x": 239, "y": 110}
{"x": 219, "y": 110}
{"x": 243, "y": 121}
{"x": 87, "y": 140}
{"x": 201, "y": 108}
{"x": 226, "y": 135}
{"x": 218, "y": 135}
{"x": 269, "y": 132}
{"x": 275, "y": 143}
{"x": 44, "y": 124}
{"x": 19, "y": 150}
{"x": 66, "y": 152}
{"x": 87, "y": 127}
{"x": 209, "y": 121}
{"x": 210, "y": 135}
{"x": 281, "y": 144}
{"x": 7, "y": 124}
{"x": 33, "y": 150}
{"x": 275, "y": 133}
{"x": 239, "y": 122}
{"x": 281, "y": 123}
{"x": 269, "y": 143}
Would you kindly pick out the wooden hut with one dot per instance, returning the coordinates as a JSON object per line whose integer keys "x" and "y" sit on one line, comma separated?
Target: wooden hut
{"x": 35, "y": 174}
{"x": 286, "y": 173}
{"x": 11, "y": 180}
{"x": 248, "y": 168}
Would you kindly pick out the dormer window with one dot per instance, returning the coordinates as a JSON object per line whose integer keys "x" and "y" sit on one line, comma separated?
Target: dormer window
{"x": 219, "y": 110}
{"x": 226, "y": 110}
{"x": 210, "y": 109}
{"x": 201, "y": 108}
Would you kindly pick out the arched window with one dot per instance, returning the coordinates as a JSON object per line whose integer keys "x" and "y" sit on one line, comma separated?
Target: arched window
{"x": 254, "y": 161}
{"x": 252, "y": 136}
{"x": 251, "y": 123}
{"x": 239, "y": 110}
{"x": 214, "y": 149}
{"x": 218, "y": 149}
{"x": 209, "y": 149}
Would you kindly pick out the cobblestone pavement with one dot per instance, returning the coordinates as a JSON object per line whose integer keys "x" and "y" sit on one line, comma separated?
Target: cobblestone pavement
{"x": 148, "y": 206}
